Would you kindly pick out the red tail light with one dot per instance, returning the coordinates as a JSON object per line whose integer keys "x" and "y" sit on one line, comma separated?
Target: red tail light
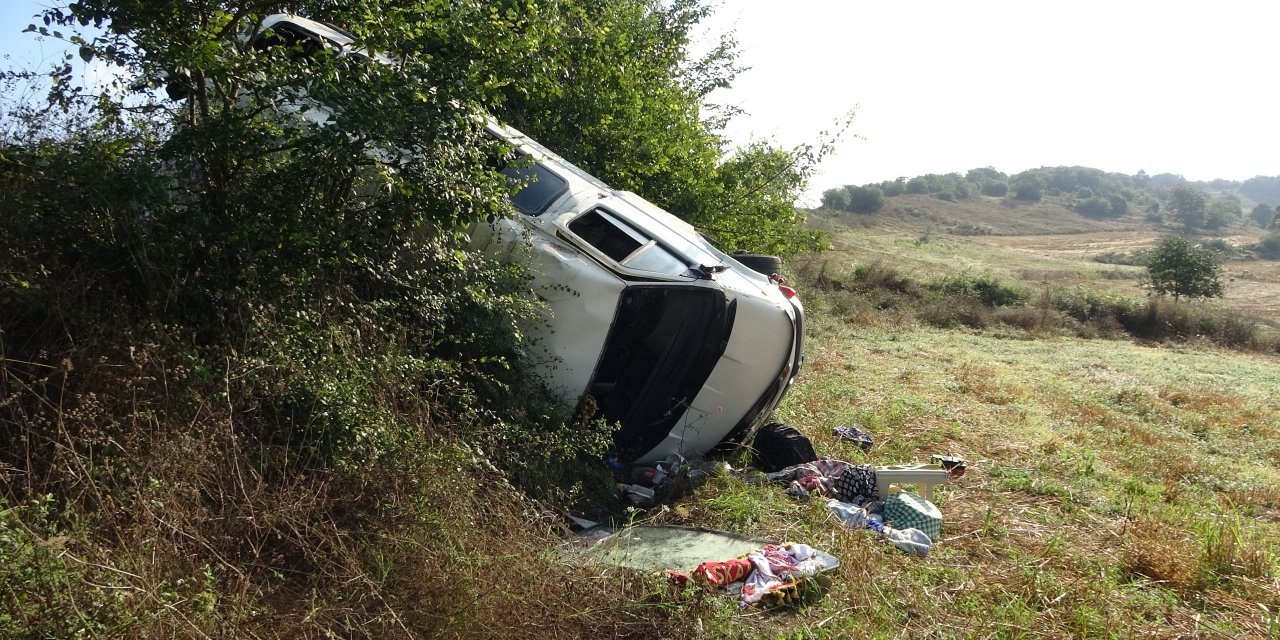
{"x": 787, "y": 291}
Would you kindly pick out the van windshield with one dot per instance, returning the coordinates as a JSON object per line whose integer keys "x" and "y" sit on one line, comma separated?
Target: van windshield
{"x": 663, "y": 346}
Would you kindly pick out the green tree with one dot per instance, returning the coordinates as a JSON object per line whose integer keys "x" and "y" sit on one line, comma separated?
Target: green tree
{"x": 751, "y": 202}
{"x": 293, "y": 301}
{"x": 894, "y": 187}
{"x": 1262, "y": 215}
{"x": 837, "y": 199}
{"x": 1221, "y": 212}
{"x": 868, "y": 199}
{"x": 1186, "y": 206}
{"x": 610, "y": 85}
{"x": 1028, "y": 187}
{"x": 1177, "y": 267}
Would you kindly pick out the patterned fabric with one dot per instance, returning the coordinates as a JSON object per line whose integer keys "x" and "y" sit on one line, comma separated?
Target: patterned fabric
{"x": 818, "y": 476}
{"x": 910, "y": 511}
{"x": 719, "y": 574}
{"x": 774, "y": 575}
{"x": 854, "y": 482}
{"x": 778, "y": 572}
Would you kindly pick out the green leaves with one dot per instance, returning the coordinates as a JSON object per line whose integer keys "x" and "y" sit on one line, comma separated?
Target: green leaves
{"x": 1178, "y": 268}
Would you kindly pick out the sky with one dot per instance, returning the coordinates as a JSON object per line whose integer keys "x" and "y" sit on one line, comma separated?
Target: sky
{"x": 941, "y": 86}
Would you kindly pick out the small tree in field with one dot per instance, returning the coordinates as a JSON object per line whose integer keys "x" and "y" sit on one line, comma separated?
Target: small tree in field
{"x": 1178, "y": 268}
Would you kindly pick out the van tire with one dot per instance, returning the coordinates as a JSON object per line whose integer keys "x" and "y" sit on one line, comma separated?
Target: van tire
{"x": 767, "y": 265}
{"x": 778, "y": 446}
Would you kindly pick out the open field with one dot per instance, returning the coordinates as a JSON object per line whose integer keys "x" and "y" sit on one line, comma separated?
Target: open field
{"x": 1113, "y": 490}
{"x": 1035, "y": 260}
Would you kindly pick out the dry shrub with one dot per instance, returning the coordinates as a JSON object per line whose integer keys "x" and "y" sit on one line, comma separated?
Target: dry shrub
{"x": 1201, "y": 401}
{"x": 1088, "y": 414}
{"x": 1162, "y": 319}
{"x": 951, "y": 313}
{"x": 1141, "y": 433}
{"x": 984, "y": 384}
{"x": 1029, "y": 318}
{"x": 1156, "y": 550}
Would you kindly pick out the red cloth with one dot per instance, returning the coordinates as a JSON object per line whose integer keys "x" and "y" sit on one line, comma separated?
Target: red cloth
{"x": 719, "y": 574}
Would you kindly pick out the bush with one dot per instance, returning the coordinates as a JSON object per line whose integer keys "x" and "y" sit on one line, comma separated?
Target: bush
{"x": 1262, "y": 215}
{"x": 1269, "y": 247}
{"x": 1162, "y": 319}
{"x": 865, "y": 199}
{"x": 985, "y": 289}
{"x": 1094, "y": 207}
{"x": 994, "y": 189}
{"x": 1119, "y": 205}
{"x": 878, "y": 275}
{"x": 952, "y": 313}
{"x": 1028, "y": 187}
{"x": 837, "y": 199}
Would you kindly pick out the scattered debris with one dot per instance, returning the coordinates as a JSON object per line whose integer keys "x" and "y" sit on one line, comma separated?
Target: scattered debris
{"x": 953, "y": 464}
{"x": 755, "y": 571}
{"x": 860, "y": 496}
{"x": 854, "y": 435}
{"x": 910, "y": 540}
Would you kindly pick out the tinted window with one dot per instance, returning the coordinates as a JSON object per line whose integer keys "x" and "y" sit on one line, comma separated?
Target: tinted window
{"x": 539, "y": 187}
{"x": 626, "y": 245}
{"x": 613, "y": 240}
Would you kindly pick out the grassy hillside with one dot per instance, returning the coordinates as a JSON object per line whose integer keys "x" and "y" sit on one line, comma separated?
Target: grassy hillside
{"x": 1115, "y": 488}
{"x": 1038, "y": 246}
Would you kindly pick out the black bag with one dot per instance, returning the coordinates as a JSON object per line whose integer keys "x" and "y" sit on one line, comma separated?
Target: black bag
{"x": 778, "y": 446}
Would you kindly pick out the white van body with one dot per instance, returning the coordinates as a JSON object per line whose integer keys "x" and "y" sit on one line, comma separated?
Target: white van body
{"x": 671, "y": 337}
{"x": 677, "y": 342}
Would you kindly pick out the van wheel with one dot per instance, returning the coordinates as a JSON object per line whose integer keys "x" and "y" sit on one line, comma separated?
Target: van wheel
{"x": 778, "y": 446}
{"x": 767, "y": 265}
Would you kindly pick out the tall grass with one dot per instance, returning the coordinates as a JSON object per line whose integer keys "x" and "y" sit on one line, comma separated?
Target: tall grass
{"x": 870, "y": 293}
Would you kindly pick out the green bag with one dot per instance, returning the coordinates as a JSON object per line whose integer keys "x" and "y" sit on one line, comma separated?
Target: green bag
{"x": 906, "y": 510}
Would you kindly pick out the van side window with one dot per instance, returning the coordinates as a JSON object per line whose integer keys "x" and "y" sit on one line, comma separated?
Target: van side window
{"x": 540, "y": 188}
{"x": 301, "y": 45}
{"x": 624, "y": 244}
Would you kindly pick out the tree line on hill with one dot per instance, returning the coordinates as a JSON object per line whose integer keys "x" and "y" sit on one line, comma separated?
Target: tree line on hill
{"x": 1162, "y": 198}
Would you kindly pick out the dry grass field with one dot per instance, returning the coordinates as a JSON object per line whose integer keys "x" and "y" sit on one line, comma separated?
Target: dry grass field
{"x": 1041, "y": 245}
{"x": 1116, "y": 489}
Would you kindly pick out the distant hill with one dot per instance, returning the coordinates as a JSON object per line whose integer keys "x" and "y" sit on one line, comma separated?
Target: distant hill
{"x": 1052, "y": 200}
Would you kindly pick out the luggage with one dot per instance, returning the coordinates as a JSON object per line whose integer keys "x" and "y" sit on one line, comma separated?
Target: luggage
{"x": 778, "y": 446}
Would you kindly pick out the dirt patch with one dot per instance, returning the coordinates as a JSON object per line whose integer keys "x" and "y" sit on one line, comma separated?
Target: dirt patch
{"x": 1076, "y": 245}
